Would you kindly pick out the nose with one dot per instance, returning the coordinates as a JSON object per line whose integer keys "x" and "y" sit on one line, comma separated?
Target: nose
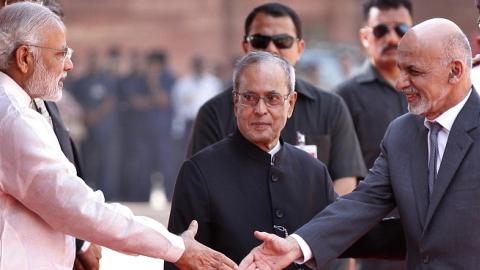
{"x": 261, "y": 107}
{"x": 402, "y": 81}
{"x": 68, "y": 64}
{"x": 392, "y": 37}
{"x": 271, "y": 48}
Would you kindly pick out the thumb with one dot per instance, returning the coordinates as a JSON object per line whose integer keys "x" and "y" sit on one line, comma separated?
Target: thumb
{"x": 192, "y": 229}
{"x": 262, "y": 236}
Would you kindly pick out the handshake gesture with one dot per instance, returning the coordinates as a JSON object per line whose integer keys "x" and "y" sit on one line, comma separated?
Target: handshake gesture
{"x": 274, "y": 253}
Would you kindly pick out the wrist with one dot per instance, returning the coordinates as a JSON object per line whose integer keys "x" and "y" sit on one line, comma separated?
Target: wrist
{"x": 295, "y": 250}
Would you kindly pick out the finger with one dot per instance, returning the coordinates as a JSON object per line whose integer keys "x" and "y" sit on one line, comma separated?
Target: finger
{"x": 252, "y": 267}
{"x": 229, "y": 264}
{"x": 192, "y": 229}
{"x": 229, "y": 267}
{"x": 98, "y": 251}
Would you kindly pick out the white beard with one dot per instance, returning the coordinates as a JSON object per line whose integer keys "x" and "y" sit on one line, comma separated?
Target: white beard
{"x": 421, "y": 107}
{"x": 43, "y": 84}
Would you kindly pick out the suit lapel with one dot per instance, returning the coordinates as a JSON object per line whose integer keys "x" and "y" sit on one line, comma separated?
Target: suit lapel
{"x": 458, "y": 144}
{"x": 419, "y": 172}
{"x": 60, "y": 131}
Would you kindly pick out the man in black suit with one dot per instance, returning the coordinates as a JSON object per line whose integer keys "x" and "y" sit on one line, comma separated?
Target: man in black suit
{"x": 428, "y": 167}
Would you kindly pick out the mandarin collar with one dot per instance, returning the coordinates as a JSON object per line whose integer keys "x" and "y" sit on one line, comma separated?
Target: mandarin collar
{"x": 253, "y": 151}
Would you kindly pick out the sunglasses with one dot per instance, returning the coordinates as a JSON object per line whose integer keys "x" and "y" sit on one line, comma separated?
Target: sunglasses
{"x": 282, "y": 41}
{"x": 381, "y": 30}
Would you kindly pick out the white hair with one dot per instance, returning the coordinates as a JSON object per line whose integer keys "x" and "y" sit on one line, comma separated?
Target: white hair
{"x": 22, "y": 23}
{"x": 256, "y": 57}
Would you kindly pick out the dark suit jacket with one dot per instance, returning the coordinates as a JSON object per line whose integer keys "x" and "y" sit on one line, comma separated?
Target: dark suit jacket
{"x": 441, "y": 234}
{"x": 66, "y": 144}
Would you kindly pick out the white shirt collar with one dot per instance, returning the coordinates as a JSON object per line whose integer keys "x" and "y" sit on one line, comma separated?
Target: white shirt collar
{"x": 275, "y": 150}
{"x": 447, "y": 118}
{"x": 14, "y": 90}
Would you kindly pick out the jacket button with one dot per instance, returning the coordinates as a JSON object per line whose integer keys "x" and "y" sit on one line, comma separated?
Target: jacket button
{"x": 274, "y": 178}
{"x": 426, "y": 259}
{"x": 279, "y": 213}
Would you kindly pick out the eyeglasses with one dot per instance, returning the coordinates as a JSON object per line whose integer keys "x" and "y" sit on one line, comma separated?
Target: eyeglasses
{"x": 381, "y": 30}
{"x": 282, "y": 41}
{"x": 66, "y": 52}
{"x": 252, "y": 99}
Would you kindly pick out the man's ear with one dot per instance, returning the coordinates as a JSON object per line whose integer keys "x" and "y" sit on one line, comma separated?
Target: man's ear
{"x": 457, "y": 70}
{"x": 292, "y": 100}
{"x": 363, "y": 36}
{"x": 300, "y": 48}
{"x": 245, "y": 46}
{"x": 23, "y": 59}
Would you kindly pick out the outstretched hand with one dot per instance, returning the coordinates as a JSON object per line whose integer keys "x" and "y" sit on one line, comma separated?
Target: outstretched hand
{"x": 274, "y": 253}
{"x": 199, "y": 256}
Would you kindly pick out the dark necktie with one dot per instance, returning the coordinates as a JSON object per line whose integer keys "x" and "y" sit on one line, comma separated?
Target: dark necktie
{"x": 39, "y": 106}
{"x": 432, "y": 159}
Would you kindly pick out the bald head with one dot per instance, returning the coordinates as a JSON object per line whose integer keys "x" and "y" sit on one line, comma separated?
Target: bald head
{"x": 440, "y": 39}
{"x": 435, "y": 59}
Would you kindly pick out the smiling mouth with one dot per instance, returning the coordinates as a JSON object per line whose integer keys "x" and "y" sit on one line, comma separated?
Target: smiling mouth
{"x": 411, "y": 95}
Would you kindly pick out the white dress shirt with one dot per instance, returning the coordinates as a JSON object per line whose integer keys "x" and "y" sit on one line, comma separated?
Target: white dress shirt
{"x": 446, "y": 119}
{"x": 42, "y": 201}
{"x": 189, "y": 94}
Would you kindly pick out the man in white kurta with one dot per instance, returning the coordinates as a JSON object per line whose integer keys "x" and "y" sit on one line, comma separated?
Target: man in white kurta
{"x": 42, "y": 201}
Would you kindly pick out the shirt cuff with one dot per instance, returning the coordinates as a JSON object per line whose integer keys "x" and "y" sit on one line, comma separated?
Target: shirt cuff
{"x": 306, "y": 251}
{"x": 86, "y": 245}
{"x": 176, "y": 249}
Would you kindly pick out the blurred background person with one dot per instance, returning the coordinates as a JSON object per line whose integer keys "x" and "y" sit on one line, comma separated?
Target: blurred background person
{"x": 189, "y": 94}
{"x": 370, "y": 95}
{"x": 148, "y": 95}
{"x": 97, "y": 92}
{"x": 135, "y": 126}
